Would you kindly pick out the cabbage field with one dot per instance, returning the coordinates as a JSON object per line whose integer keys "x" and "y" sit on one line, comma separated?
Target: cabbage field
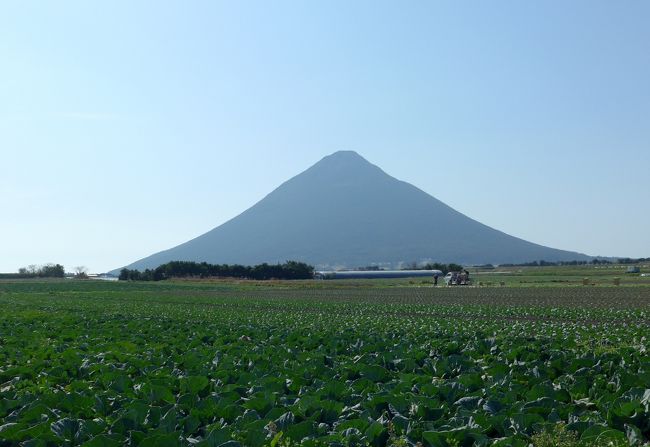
{"x": 252, "y": 364}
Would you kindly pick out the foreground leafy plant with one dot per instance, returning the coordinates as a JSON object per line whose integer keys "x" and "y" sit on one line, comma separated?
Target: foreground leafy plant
{"x": 187, "y": 364}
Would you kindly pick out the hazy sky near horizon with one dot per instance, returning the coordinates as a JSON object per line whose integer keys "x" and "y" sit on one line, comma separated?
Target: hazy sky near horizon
{"x": 128, "y": 127}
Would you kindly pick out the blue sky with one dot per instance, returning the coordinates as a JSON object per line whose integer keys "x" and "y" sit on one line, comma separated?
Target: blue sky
{"x": 129, "y": 127}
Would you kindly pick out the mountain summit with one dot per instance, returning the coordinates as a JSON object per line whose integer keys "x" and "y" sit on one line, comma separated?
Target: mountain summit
{"x": 345, "y": 211}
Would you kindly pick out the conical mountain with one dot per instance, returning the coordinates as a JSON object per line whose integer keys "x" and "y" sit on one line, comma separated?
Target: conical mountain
{"x": 345, "y": 211}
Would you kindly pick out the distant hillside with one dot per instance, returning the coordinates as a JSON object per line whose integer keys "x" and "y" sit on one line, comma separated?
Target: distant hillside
{"x": 345, "y": 211}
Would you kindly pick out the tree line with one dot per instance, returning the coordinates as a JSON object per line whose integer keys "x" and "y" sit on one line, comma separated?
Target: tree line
{"x": 37, "y": 271}
{"x": 632, "y": 260}
{"x": 445, "y": 268}
{"x": 189, "y": 269}
{"x": 594, "y": 261}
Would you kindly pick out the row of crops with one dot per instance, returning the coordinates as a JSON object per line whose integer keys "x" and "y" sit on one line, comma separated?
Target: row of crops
{"x": 210, "y": 365}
